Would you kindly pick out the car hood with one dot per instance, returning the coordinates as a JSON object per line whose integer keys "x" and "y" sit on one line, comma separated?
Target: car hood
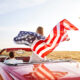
{"x": 61, "y": 71}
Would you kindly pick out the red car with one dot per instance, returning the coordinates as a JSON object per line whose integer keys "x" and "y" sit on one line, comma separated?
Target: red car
{"x": 48, "y": 70}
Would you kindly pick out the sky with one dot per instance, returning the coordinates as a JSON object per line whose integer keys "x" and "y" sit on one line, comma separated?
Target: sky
{"x": 27, "y": 15}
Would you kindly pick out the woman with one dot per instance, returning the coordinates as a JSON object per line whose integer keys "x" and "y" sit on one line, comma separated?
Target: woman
{"x": 34, "y": 57}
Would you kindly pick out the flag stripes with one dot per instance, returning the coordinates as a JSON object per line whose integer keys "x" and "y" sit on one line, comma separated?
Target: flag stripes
{"x": 65, "y": 37}
{"x": 68, "y": 25}
{"x": 41, "y": 72}
{"x": 57, "y": 35}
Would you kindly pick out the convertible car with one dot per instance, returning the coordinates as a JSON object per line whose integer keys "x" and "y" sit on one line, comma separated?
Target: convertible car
{"x": 47, "y": 70}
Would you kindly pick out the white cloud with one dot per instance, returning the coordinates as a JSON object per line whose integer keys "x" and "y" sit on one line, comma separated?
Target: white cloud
{"x": 12, "y": 5}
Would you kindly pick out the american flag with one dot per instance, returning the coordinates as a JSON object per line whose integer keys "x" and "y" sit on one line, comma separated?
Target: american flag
{"x": 41, "y": 72}
{"x": 43, "y": 46}
{"x": 27, "y": 37}
{"x": 57, "y": 35}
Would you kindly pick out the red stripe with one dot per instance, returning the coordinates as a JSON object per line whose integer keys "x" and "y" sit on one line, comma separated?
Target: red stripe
{"x": 58, "y": 41}
{"x": 55, "y": 35}
{"x": 45, "y": 76}
{"x": 38, "y": 43}
{"x": 47, "y": 38}
{"x": 48, "y": 45}
{"x": 47, "y": 52}
{"x": 62, "y": 32}
{"x": 42, "y": 48}
{"x": 46, "y": 69}
{"x": 55, "y": 32}
{"x": 36, "y": 76}
{"x": 42, "y": 73}
{"x": 66, "y": 36}
{"x": 50, "y": 50}
{"x": 71, "y": 25}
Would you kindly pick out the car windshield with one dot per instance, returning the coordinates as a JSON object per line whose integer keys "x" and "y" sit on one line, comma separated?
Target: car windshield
{"x": 55, "y": 55}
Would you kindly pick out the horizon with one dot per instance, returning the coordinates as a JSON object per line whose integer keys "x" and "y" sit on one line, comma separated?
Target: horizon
{"x": 24, "y": 15}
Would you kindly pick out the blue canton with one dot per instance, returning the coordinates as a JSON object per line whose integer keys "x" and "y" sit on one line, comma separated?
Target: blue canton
{"x": 27, "y": 37}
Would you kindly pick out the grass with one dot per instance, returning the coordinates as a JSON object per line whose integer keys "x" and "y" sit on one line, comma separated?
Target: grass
{"x": 74, "y": 55}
